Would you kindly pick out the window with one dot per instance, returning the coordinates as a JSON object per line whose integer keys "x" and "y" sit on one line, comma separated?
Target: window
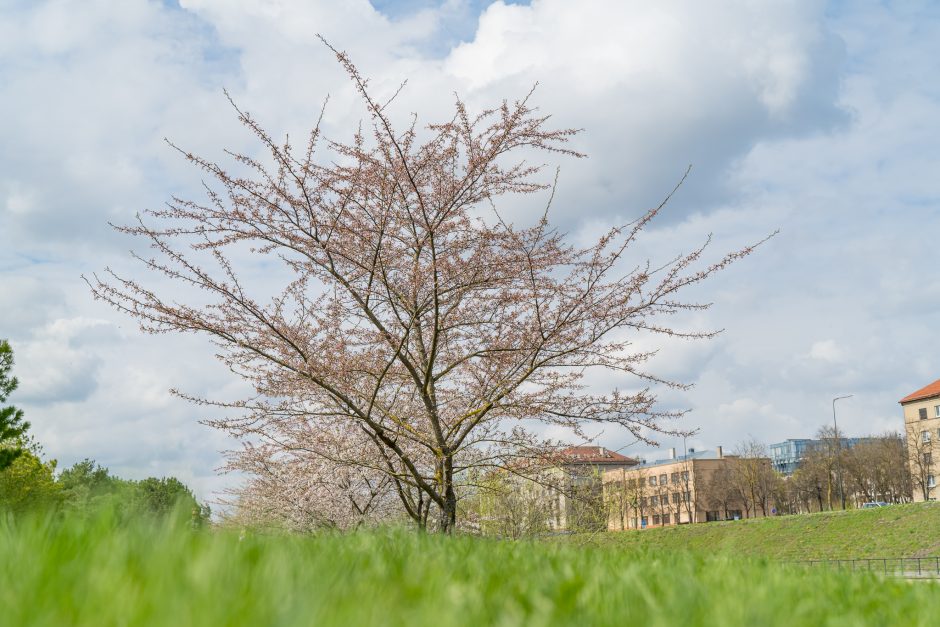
{"x": 675, "y": 498}
{"x": 656, "y": 519}
{"x": 928, "y": 459}
{"x": 922, "y": 412}
{"x": 654, "y": 501}
{"x": 687, "y": 496}
{"x": 643, "y": 502}
{"x": 663, "y": 479}
{"x": 931, "y": 481}
{"x": 685, "y": 475}
{"x": 925, "y": 436}
{"x": 675, "y": 477}
{"x": 712, "y": 516}
{"x": 665, "y": 519}
{"x": 936, "y": 411}
{"x": 653, "y": 480}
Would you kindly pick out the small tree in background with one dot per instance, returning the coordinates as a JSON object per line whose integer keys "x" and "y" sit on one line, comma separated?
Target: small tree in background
{"x": 878, "y": 470}
{"x": 12, "y": 426}
{"x": 28, "y": 483}
{"x": 87, "y": 488}
{"x": 509, "y": 506}
{"x": 920, "y": 456}
{"x": 166, "y": 496}
{"x": 754, "y": 477}
{"x": 720, "y": 492}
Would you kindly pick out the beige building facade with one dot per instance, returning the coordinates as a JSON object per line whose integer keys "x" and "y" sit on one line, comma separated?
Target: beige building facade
{"x": 576, "y": 498}
{"x": 693, "y": 488}
{"x": 921, "y": 411}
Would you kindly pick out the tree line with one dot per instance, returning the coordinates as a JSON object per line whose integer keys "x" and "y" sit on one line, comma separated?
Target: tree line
{"x": 830, "y": 475}
{"x": 29, "y": 483}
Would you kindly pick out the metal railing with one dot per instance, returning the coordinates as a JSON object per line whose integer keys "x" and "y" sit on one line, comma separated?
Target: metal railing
{"x": 911, "y": 567}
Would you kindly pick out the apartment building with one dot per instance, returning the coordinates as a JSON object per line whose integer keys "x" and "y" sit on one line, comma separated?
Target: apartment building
{"x": 561, "y": 491}
{"x": 578, "y": 497}
{"x": 677, "y": 490}
{"x": 921, "y": 411}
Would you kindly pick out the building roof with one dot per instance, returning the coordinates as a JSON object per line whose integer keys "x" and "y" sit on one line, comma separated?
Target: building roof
{"x": 594, "y": 455}
{"x": 925, "y": 392}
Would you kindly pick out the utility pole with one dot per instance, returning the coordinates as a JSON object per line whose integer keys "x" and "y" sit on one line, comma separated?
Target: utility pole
{"x": 839, "y": 446}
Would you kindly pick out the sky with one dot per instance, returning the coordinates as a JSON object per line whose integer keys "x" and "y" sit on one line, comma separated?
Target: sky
{"x": 818, "y": 120}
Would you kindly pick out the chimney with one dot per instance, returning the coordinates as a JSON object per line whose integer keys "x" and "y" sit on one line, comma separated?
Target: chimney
{"x": 691, "y": 450}
{"x": 720, "y": 453}
{"x": 672, "y": 453}
{"x": 600, "y": 451}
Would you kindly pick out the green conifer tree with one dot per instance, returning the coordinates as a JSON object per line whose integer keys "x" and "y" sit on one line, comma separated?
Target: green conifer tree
{"x": 12, "y": 425}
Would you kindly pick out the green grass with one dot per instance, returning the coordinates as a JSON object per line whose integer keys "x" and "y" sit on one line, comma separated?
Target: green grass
{"x": 911, "y": 530}
{"x": 55, "y": 572}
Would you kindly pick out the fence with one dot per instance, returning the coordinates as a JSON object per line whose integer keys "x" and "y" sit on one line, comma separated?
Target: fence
{"x": 910, "y": 567}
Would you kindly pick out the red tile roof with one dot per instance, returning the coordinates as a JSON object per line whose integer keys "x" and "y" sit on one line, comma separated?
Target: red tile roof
{"x": 926, "y": 392}
{"x": 594, "y": 455}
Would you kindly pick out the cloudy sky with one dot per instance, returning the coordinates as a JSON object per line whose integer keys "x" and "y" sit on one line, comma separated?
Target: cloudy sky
{"x": 818, "y": 119}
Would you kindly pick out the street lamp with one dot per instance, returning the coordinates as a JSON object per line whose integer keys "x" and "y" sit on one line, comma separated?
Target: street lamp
{"x": 839, "y": 445}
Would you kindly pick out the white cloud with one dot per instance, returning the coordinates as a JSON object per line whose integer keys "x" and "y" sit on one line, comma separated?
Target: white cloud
{"x": 826, "y": 350}
{"x": 61, "y": 361}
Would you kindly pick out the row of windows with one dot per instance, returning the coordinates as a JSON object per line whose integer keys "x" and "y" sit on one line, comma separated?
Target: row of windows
{"x": 665, "y": 519}
{"x": 644, "y": 521}
{"x": 922, "y": 412}
{"x": 654, "y": 501}
{"x": 663, "y": 479}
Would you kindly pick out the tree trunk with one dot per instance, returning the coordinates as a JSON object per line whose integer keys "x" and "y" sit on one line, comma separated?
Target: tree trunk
{"x": 448, "y": 518}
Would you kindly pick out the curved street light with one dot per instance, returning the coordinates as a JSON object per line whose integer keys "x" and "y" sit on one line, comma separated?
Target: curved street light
{"x": 839, "y": 445}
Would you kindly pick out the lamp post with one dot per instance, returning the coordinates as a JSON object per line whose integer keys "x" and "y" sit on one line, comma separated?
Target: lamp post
{"x": 839, "y": 445}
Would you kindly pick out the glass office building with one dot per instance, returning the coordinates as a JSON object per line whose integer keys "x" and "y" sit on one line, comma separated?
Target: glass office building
{"x": 786, "y": 456}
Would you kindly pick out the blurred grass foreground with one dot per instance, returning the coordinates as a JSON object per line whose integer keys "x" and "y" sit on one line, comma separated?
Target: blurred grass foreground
{"x": 104, "y": 569}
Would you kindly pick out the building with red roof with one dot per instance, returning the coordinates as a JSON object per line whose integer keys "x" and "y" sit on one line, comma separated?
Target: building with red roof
{"x": 921, "y": 411}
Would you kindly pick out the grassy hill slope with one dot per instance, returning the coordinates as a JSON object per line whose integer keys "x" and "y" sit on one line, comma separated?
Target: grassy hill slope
{"x": 911, "y": 530}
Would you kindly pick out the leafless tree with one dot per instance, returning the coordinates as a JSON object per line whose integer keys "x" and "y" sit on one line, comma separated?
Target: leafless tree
{"x": 920, "y": 455}
{"x": 415, "y": 314}
{"x": 754, "y": 477}
{"x": 628, "y": 500}
{"x": 689, "y": 499}
{"x": 812, "y": 481}
{"x": 877, "y": 469}
{"x": 618, "y": 497}
{"x": 720, "y": 492}
{"x": 510, "y": 505}
{"x": 831, "y": 455}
